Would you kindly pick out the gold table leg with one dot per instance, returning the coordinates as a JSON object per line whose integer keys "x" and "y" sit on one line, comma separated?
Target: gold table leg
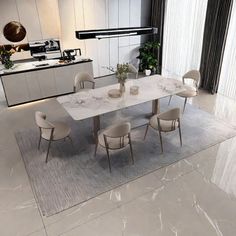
{"x": 155, "y": 106}
{"x": 96, "y": 126}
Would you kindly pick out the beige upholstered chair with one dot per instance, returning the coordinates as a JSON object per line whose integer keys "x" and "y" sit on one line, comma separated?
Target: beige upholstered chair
{"x": 81, "y": 79}
{"x": 51, "y": 131}
{"x": 190, "y": 90}
{"x": 165, "y": 122}
{"x": 115, "y": 137}
{"x": 133, "y": 70}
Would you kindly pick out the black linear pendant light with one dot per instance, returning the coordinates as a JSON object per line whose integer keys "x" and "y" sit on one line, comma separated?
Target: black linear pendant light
{"x": 114, "y": 32}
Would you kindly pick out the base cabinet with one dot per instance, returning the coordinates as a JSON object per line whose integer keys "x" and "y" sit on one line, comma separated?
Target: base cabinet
{"x": 33, "y": 86}
{"x": 29, "y": 86}
{"x": 47, "y": 83}
{"x": 16, "y": 89}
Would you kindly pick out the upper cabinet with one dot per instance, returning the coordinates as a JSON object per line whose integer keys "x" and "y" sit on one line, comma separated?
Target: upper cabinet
{"x": 49, "y": 18}
{"x": 40, "y": 18}
{"x": 29, "y": 17}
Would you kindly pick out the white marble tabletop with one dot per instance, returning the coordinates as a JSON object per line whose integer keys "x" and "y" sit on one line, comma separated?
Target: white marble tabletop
{"x": 95, "y": 102}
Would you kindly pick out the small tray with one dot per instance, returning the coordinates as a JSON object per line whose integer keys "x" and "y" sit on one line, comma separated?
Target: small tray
{"x": 114, "y": 93}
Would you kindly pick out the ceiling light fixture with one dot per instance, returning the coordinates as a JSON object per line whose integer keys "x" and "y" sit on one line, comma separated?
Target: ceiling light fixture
{"x": 114, "y": 32}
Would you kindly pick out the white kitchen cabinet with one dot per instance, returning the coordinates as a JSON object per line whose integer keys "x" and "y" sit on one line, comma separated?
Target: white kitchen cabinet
{"x": 64, "y": 79}
{"x": 47, "y": 82}
{"x": 16, "y": 88}
{"x": 33, "y": 84}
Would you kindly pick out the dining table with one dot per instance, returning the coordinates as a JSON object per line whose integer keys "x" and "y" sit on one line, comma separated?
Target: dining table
{"x": 93, "y": 103}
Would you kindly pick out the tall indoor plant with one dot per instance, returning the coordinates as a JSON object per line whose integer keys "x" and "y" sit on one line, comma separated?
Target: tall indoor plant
{"x": 148, "y": 56}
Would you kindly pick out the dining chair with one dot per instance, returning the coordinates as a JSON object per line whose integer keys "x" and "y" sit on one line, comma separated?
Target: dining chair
{"x": 165, "y": 122}
{"x": 191, "y": 90}
{"x": 81, "y": 79}
{"x": 133, "y": 70}
{"x": 113, "y": 138}
{"x": 51, "y": 131}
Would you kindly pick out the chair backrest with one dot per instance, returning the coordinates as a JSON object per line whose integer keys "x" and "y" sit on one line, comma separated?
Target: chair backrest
{"x": 42, "y": 123}
{"x": 173, "y": 114}
{"x": 118, "y": 131}
{"x": 193, "y": 75}
{"x": 80, "y": 80}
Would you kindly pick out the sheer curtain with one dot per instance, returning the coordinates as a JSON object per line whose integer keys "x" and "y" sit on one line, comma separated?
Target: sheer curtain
{"x": 183, "y": 36}
{"x": 227, "y": 85}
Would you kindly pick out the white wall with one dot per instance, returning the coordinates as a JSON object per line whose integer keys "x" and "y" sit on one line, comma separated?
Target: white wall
{"x": 95, "y": 14}
{"x": 39, "y": 17}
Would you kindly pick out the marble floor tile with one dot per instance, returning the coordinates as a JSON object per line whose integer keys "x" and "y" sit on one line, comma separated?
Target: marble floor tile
{"x": 218, "y": 166}
{"x": 41, "y": 232}
{"x": 174, "y": 171}
{"x": 78, "y": 215}
{"x": 133, "y": 189}
{"x": 193, "y": 206}
{"x": 100, "y": 205}
{"x": 106, "y": 225}
{"x": 17, "y": 204}
{"x": 188, "y": 206}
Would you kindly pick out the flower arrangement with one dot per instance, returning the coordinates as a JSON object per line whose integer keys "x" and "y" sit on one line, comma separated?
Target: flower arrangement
{"x": 5, "y": 56}
{"x": 121, "y": 72}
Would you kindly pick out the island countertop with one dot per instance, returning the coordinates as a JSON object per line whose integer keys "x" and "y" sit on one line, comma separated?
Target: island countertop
{"x": 39, "y": 65}
{"x": 32, "y": 81}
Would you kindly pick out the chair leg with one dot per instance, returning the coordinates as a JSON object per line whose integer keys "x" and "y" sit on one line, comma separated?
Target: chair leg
{"x": 71, "y": 141}
{"x": 161, "y": 142}
{"x": 170, "y": 100}
{"x": 180, "y": 136}
{"x": 39, "y": 142}
{"x": 49, "y": 144}
{"x": 131, "y": 150}
{"x": 96, "y": 148}
{"x": 108, "y": 158}
{"x": 146, "y": 132}
{"x": 185, "y": 102}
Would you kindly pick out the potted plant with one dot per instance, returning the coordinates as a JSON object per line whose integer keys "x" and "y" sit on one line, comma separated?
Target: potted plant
{"x": 5, "y": 56}
{"x": 148, "y": 59}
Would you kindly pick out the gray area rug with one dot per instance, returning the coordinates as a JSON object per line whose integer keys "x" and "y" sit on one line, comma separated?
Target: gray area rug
{"x": 74, "y": 175}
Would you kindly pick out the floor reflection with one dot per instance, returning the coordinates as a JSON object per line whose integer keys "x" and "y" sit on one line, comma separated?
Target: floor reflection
{"x": 224, "y": 173}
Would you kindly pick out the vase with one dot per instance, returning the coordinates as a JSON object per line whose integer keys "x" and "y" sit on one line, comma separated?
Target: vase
{"x": 122, "y": 87}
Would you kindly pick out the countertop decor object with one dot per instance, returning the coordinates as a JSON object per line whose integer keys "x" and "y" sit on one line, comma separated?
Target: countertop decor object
{"x": 134, "y": 90}
{"x": 114, "y": 93}
{"x": 122, "y": 74}
{"x": 14, "y": 31}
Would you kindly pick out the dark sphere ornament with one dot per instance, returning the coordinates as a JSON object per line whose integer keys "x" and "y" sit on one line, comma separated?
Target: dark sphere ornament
{"x": 14, "y": 31}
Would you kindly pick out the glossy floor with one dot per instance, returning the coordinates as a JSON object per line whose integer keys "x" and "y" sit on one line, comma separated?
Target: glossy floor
{"x": 196, "y": 196}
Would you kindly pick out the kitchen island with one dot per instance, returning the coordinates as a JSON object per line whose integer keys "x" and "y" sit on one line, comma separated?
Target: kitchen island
{"x": 33, "y": 81}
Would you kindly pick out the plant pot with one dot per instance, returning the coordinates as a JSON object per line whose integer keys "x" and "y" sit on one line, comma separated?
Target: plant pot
{"x": 148, "y": 72}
